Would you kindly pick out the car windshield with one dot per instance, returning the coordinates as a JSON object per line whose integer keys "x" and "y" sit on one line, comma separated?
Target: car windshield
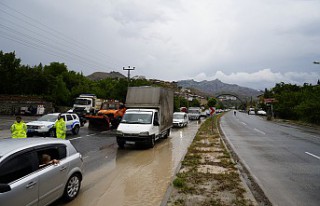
{"x": 82, "y": 102}
{"x": 137, "y": 118}
{"x": 48, "y": 118}
{"x": 178, "y": 116}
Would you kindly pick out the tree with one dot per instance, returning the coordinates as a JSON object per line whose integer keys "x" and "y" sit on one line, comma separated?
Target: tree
{"x": 212, "y": 102}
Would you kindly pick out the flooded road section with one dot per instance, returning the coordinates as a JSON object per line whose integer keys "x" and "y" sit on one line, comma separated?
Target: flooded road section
{"x": 134, "y": 176}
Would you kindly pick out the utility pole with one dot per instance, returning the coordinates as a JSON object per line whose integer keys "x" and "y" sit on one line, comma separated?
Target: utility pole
{"x": 128, "y": 69}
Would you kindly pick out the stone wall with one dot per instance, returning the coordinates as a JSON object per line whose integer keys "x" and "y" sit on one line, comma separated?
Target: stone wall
{"x": 25, "y": 105}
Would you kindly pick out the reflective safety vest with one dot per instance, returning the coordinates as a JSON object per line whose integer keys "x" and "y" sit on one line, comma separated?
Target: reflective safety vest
{"x": 61, "y": 128}
{"x": 19, "y": 130}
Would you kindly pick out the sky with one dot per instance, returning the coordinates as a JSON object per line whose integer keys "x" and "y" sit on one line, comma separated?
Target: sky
{"x": 251, "y": 43}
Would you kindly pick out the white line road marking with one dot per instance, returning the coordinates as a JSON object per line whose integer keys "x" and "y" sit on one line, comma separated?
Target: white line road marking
{"x": 308, "y": 153}
{"x": 261, "y": 132}
{"x": 85, "y": 157}
{"x": 243, "y": 123}
{"x": 75, "y": 138}
{"x": 90, "y": 134}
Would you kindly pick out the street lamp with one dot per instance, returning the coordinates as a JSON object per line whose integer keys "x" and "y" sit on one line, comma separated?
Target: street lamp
{"x": 129, "y": 69}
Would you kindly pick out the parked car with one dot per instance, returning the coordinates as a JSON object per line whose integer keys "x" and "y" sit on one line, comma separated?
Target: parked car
{"x": 44, "y": 126}
{"x": 180, "y": 119}
{"x": 261, "y": 112}
{"x": 24, "y": 181}
{"x": 251, "y": 111}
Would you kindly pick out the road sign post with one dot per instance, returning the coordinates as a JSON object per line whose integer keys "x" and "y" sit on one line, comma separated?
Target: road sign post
{"x": 212, "y": 112}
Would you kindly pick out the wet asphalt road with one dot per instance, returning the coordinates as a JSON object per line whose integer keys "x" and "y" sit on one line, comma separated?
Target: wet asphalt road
{"x": 284, "y": 159}
{"x": 133, "y": 176}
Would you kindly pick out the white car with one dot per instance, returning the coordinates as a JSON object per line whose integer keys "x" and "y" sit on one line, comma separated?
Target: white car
{"x": 251, "y": 111}
{"x": 44, "y": 126}
{"x": 261, "y": 112}
{"x": 180, "y": 119}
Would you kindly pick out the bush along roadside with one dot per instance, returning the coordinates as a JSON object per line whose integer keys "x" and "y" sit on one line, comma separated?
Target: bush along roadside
{"x": 208, "y": 176}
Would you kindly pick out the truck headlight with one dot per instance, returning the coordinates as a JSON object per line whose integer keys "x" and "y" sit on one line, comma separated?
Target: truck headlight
{"x": 119, "y": 133}
{"x": 144, "y": 134}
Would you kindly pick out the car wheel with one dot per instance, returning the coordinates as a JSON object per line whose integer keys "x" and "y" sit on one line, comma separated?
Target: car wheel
{"x": 72, "y": 187}
{"x": 75, "y": 130}
{"x": 52, "y": 133}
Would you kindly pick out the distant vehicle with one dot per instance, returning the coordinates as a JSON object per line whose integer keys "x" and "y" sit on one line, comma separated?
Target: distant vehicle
{"x": 183, "y": 109}
{"x": 25, "y": 180}
{"x": 180, "y": 119}
{"x": 44, "y": 126}
{"x": 194, "y": 113}
{"x": 251, "y": 111}
{"x": 148, "y": 116}
{"x": 261, "y": 112}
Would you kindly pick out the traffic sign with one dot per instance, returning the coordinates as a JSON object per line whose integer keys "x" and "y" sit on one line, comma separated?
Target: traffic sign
{"x": 212, "y": 110}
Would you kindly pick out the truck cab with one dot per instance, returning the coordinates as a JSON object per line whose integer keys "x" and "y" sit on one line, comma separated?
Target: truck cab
{"x": 139, "y": 126}
{"x": 148, "y": 116}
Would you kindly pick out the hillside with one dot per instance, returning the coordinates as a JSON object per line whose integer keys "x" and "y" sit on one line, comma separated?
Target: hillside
{"x": 103, "y": 75}
{"x": 216, "y": 87}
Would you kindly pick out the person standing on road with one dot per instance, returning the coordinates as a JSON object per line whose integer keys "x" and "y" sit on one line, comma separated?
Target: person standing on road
{"x": 61, "y": 128}
{"x": 19, "y": 128}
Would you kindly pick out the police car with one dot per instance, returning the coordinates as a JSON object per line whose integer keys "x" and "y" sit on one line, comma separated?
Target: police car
{"x": 44, "y": 126}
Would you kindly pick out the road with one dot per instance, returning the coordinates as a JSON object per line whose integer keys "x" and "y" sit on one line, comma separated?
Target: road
{"x": 132, "y": 176}
{"x": 283, "y": 159}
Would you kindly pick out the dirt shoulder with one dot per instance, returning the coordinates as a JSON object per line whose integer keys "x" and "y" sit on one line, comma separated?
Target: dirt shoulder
{"x": 208, "y": 175}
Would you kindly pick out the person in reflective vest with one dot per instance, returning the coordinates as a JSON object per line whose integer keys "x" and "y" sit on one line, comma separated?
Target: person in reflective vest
{"x": 19, "y": 128}
{"x": 61, "y": 128}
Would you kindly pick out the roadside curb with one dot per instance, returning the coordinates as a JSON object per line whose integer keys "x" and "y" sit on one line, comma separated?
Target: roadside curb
{"x": 250, "y": 180}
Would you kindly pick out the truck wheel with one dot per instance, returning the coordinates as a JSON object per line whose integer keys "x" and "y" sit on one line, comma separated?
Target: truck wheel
{"x": 76, "y": 129}
{"x": 120, "y": 144}
{"x": 152, "y": 141}
{"x": 167, "y": 134}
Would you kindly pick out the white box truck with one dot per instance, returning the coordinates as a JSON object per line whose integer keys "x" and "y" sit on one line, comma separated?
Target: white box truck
{"x": 148, "y": 116}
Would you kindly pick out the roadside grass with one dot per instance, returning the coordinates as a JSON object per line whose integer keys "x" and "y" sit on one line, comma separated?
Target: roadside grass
{"x": 208, "y": 176}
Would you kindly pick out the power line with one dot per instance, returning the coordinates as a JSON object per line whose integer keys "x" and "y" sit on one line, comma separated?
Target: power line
{"x": 56, "y": 34}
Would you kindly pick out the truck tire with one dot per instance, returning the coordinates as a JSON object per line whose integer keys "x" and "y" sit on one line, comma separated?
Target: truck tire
{"x": 152, "y": 141}
{"x": 167, "y": 134}
{"x": 75, "y": 129}
{"x": 120, "y": 144}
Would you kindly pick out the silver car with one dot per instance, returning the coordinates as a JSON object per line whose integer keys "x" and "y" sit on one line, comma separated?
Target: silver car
{"x": 25, "y": 181}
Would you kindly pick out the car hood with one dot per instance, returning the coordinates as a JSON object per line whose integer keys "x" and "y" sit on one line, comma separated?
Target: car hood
{"x": 40, "y": 123}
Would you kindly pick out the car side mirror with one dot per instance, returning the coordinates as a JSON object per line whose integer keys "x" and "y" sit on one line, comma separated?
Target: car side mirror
{"x": 4, "y": 188}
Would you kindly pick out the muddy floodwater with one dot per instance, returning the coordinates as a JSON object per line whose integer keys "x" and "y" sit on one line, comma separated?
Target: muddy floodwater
{"x": 135, "y": 176}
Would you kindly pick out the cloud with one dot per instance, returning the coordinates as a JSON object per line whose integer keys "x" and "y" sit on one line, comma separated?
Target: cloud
{"x": 261, "y": 79}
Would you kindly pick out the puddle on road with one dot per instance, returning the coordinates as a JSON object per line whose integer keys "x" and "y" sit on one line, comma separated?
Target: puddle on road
{"x": 136, "y": 177}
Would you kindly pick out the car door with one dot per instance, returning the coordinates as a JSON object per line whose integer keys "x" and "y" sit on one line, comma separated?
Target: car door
{"x": 52, "y": 178}
{"x": 19, "y": 171}
{"x": 69, "y": 122}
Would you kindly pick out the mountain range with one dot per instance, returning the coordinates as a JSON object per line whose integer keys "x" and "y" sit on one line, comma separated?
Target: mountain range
{"x": 214, "y": 87}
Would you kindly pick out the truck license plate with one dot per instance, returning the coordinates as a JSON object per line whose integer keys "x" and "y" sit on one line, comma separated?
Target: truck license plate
{"x": 130, "y": 142}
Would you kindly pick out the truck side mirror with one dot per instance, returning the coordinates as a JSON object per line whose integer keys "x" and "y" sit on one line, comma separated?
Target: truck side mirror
{"x": 156, "y": 123}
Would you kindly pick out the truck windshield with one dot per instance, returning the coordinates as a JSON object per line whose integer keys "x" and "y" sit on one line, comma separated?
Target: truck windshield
{"x": 137, "y": 118}
{"x": 194, "y": 111}
{"x": 82, "y": 102}
{"x": 178, "y": 116}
